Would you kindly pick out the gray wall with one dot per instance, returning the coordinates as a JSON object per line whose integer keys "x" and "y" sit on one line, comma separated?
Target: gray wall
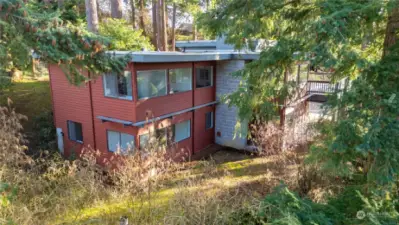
{"x": 226, "y": 118}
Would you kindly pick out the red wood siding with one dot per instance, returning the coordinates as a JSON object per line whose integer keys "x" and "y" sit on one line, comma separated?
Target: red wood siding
{"x": 111, "y": 107}
{"x": 203, "y": 137}
{"x": 157, "y": 106}
{"x": 71, "y": 103}
{"x": 205, "y": 94}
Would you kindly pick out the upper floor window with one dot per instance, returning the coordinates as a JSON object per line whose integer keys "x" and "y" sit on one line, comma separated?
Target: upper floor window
{"x": 118, "y": 85}
{"x": 180, "y": 80}
{"x": 204, "y": 76}
{"x": 119, "y": 141}
{"x": 151, "y": 83}
{"x": 75, "y": 132}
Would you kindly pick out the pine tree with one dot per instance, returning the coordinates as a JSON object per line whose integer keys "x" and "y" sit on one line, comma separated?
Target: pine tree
{"x": 352, "y": 38}
{"x": 25, "y": 30}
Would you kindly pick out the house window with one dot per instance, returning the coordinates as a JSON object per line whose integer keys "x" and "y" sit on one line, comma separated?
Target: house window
{"x": 151, "y": 83}
{"x": 209, "y": 120}
{"x": 75, "y": 132}
{"x": 119, "y": 141}
{"x": 144, "y": 139}
{"x": 181, "y": 131}
{"x": 204, "y": 76}
{"x": 118, "y": 85}
{"x": 180, "y": 80}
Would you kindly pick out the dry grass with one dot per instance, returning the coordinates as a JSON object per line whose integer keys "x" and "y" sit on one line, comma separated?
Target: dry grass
{"x": 146, "y": 189}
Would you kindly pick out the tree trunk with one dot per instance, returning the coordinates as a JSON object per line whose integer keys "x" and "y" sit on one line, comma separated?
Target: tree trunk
{"x": 164, "y": 27}
{"x": 116, "y": 9}
{"x": 154, "y": 24}
{"x": 391, "y": 30}
{"x": 141, "y": 17}
{"x": 174, "y": 28}
{"x": 194, "y": 31}
{"x": 133, "y": 3}
{"x": 159, "y": 25}
{"x": 91, "y": 15}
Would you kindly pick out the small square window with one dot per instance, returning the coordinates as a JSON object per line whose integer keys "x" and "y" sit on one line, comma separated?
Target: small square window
{"x": 204, "y": 77}
{"x": 75, "y": 132}
{"x": 209, "y": 120}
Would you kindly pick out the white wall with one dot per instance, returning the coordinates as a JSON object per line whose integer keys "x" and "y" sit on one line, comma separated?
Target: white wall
{"x": 226, "y": 118}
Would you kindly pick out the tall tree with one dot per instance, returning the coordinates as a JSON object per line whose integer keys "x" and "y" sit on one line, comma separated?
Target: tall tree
{"x": 91, "y": 15}
{"x": 173, "y": 36}
{"x": 116, "y": 9}
{"x": 141, "y": 16}
{"x": 133, "y": 8}
{"x": 154, "y": 16}
{"x": 330, "y": 34}
{"x": 164, "y": 27}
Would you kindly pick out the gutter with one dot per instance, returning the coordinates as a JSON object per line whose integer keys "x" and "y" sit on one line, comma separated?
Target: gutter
{"x": 142, "y": 123}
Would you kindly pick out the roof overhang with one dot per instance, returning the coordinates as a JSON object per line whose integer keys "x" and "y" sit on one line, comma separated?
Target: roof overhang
{"x": 170, "y": 57}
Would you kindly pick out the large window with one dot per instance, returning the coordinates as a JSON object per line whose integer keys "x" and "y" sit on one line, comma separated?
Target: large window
{"x": 180, "y": 80}
{"x": 209, "y": 120}
{"x": 167, "y": 135}
{"x": 118, "y": 85}
{"x": 151, "y": 83}
{"x": 204, "y": 76}
{"x": 119, "y": 141}
{"x": 75, "y": 132}
{"x": 182, "y": 131}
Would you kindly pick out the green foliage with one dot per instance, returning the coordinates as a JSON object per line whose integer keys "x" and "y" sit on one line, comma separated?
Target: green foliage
{"x": 286, "y": 207}
{"x": 25, "y": 29}
{"x": 45, "y": 134}
{"x": 123, "y": 37}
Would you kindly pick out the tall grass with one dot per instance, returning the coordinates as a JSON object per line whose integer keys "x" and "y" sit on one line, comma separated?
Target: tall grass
{"x": 145, "y": 187}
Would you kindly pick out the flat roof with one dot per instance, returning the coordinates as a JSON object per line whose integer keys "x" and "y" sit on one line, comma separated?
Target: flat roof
{"x": 159, "y": 57}
{"x": 199, "y": 43}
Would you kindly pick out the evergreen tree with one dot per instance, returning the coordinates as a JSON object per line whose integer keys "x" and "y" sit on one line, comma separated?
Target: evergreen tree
{"x": 355, "y": 38}
{"x": 23, "y": 30}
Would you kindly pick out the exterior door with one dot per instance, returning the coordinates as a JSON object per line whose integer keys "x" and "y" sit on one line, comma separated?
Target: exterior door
{"x": 60, "y": 140}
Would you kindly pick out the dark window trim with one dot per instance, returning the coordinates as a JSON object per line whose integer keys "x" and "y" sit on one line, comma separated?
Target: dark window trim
{"x": 122, "y": 97}
{"x": 212, "y": 81}
{"x": 212, "y": 120}
{"x": 69, "y": 133}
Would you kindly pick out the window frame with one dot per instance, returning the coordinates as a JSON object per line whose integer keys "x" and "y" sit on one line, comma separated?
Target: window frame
{"x": 212, "y": 120}
{"x": 174, "y": 131}
{"x": 122, "y": 97}
{"x": 166, "y": 82}
{"x": 69, "y": 131}
{"x": 120, "y": 140}
{"x": 191, "y": 82}
{"x": 212, "y": 76}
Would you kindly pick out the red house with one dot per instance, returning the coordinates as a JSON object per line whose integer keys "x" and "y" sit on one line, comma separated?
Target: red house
{"x": 171, "y": 94}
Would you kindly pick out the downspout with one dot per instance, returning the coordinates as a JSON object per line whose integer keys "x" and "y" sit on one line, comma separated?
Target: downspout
{"x": 193, "y": 118}
{"x": 92, "y": 112}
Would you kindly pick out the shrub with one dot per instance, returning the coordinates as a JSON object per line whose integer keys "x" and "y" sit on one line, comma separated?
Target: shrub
{"x": 45, "y": 134}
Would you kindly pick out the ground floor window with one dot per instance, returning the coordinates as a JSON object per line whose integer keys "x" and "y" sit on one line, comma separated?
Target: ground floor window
{"x": 168, "y": 135}
{"x": 75, "y": 132}
{"x": 119, "y": 141}
{"x": 182, "y": 131}
{"x": 209, "y": 120}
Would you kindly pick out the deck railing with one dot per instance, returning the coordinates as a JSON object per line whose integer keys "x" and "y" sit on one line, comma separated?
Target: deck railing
{"x": 324, "y": 87}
